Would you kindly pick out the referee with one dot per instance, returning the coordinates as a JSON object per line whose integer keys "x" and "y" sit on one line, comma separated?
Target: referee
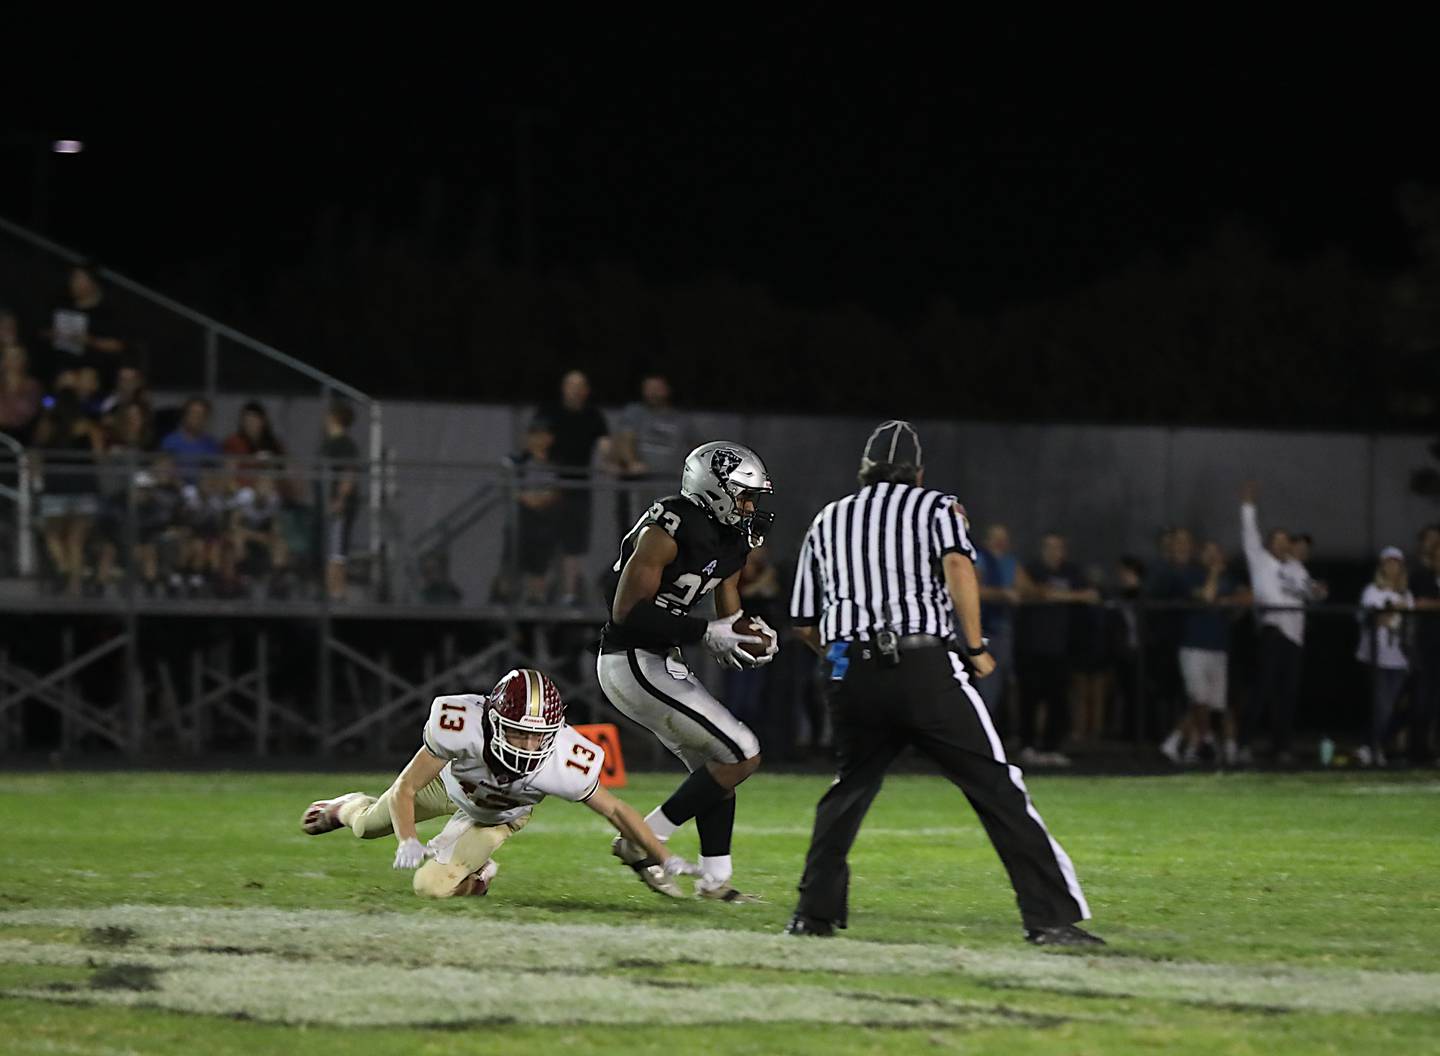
{"x": 879, "y": 573}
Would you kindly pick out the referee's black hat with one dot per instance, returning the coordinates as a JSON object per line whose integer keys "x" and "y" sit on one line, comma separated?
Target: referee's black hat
{"x": 893, "y": 444}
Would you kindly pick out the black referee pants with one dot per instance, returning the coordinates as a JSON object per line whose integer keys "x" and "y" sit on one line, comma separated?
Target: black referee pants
{"x": 925, "y": 702}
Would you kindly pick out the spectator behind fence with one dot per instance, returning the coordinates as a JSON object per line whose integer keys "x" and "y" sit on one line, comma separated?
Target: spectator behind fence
{"x": 191, "y": 445}
{"x": 69, "y": 443}
{"x": 342, "y": 502}
{"x": 1204, "y": 651}
{"x": 652, "y": 440}
{"x": 20, "y": 393}
{"x": 580, "y": 431}
{"x": 1002, "y": 579}
{"x": 436, "y": 585}
{"x": 1043, "y": 652}
{"x": 1161, "y": 632}
{"x": 253, "y": 444}
{"x": 538, "y": 518}
{"x": 1124, "y": 631}
{"x": 261, "y": 554}
{"x": 83, "y": 330}
{"x": 1425, "y": 694}
{"x": 1281, "y": 587}
{"x": 130, "y": 387}
{"x": 1092, "y": 667}
{"x": 1382, "y": 645}
{"x": 127, "y": 435}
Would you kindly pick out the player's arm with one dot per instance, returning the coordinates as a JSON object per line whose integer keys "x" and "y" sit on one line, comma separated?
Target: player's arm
{"x": 631, "y": 825}
{"x": 964, "y": 590}
{"x": 419, "y": 772}
{"x": 727, "y": 597}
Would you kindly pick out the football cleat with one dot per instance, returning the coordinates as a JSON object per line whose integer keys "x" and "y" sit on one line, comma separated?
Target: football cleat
{"x": 810, "y": 927}
{"x": 646, "y": 868}
{"x": 1062, "y": 935}
{"x": 324, "y": 815}
{"x": 480, "y": 885}
{"x": 721, "y": 891}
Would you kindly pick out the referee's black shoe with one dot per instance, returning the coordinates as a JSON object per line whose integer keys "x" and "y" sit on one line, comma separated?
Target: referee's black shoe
{"x": 1062, "y": 935}
{"x": 810, "y": 927}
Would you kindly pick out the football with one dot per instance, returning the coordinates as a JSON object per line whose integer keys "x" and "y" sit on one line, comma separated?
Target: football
{"x": 745, "y": 625}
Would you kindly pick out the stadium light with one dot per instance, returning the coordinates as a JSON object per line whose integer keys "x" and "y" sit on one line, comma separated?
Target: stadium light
{"x": 67, "y": 146}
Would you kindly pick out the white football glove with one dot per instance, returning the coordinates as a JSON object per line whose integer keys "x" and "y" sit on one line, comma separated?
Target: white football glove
{"x": 676, "y": 866}
{"x": 724, "y": 641}
{"x": 410, "y": 854}
{"x": 746, "y": 660}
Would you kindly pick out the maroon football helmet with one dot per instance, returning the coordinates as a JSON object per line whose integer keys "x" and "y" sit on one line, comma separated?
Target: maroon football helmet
{"x": 526, "y": 713}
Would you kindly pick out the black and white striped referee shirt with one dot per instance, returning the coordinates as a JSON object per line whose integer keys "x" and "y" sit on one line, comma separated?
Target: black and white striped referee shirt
{"x": 872, "y": 560}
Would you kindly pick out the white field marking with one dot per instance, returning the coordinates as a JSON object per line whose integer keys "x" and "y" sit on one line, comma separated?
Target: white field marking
{"x": 366, "y": 950}
{"x": 1390, "y": 790}
{"x": 382, "y": 993}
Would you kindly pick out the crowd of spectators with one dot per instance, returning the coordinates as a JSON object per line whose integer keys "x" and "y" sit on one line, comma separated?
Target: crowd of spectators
{"x": 129, "y": 491}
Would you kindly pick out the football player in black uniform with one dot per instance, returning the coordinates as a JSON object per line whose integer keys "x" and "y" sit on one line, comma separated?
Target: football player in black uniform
{"x": 684, "y": 547}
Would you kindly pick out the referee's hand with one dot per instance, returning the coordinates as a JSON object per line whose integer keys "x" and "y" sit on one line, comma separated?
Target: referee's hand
{"x": 982, "y": 665}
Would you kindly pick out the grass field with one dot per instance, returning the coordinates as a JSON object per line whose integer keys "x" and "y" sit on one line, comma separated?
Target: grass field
{"x": 166, "y": 913}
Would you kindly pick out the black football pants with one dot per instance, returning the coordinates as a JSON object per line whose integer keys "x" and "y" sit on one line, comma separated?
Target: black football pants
{"x": 927, "y": 702}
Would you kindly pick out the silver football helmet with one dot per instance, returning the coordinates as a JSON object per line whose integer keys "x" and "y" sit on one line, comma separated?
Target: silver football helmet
{"x": 717, "y": 474}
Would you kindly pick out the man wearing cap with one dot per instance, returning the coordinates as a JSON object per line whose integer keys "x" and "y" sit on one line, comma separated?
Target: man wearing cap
{"x": 884, "y": 575}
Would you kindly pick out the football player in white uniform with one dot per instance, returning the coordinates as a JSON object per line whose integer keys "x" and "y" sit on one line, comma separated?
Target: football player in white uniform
{"x": 489, "y": 760}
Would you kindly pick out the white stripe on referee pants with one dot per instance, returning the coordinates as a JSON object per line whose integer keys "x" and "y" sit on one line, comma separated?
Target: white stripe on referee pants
{"x": 997, "y": 752}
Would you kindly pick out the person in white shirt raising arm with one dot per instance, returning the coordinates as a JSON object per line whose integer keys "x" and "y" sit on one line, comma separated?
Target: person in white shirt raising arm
{"x": 1281, "y": 587}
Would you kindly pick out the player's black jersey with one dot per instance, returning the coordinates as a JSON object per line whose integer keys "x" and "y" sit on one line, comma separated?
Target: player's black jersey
{"x": 709, "y": 553}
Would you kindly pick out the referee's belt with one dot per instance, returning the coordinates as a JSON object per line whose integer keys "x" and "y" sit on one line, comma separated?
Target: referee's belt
{"x": 907, "y": 641}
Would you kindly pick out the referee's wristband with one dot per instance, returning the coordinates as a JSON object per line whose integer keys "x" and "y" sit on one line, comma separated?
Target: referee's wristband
{"x": 983, "y": 647}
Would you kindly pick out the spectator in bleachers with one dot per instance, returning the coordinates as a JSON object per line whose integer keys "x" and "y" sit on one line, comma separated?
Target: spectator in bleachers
{"x": 256, "y": 541}
{"x": 160, "y": 535}
{"x": 537, "y": 521}
{"x": 69, "y": 443}
{"x": 342, "y": 501}
{"x": 252, "y": 444}
{"x": 129, "y": 387}
{"x": 1204, "y": 659}
{"x": 83, "y": 330}
{"x": 191, "y": 444}
{"x": 128, "y": 435}
{"x": 436, "y": 585}
{"x": 1043, "y": 652}
{"x": 1002, "y": 578}
{"x": 581, "y": 434}
{"x": 20, "y": 393}
{"x": 651, "y": 443}
{"x": 1382, "y": 646}
{"x": 1425, "y": 693}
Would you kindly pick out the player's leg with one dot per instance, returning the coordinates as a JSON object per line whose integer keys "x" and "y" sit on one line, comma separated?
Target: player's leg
{"x": 369, "y": 817}
{"x": 961, "y": 739}
{"x": 463, "y": 863}
{"x": 718, "y": 749}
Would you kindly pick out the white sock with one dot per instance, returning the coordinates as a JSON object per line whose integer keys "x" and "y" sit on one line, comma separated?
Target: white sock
{"x": 1172, "y": 742}
{"x": 717, "y": 869}
{"x": 660, "y": 825}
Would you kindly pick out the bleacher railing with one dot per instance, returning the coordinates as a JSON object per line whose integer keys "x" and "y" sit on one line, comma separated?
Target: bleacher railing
{"x": 211, "y": 333}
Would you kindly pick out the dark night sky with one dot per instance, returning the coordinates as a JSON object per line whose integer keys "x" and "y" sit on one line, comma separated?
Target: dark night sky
{"x": 868, "y": 163}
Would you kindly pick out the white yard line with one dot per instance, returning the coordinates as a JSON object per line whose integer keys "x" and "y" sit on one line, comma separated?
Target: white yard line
{"x": 343, "y": 967}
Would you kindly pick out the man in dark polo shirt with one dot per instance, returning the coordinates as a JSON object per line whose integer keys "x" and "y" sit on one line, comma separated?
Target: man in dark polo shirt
{"x": 579, "y": 428}
{"x": 1043, "y": 663}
